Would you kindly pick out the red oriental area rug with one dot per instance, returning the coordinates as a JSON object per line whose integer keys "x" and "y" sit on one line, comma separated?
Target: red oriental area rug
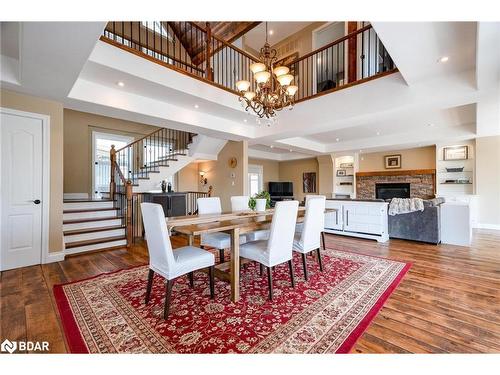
{"x": 327, "y": 314}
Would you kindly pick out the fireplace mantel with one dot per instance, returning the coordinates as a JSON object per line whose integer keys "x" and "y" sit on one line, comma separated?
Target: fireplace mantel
{"x": 422, "y": 182}
{"x": 399, "y": 172}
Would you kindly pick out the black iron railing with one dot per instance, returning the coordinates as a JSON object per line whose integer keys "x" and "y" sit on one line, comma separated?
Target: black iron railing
{"x": 351, "y": 59}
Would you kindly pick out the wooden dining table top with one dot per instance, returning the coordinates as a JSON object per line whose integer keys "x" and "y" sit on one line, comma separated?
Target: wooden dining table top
{"x": 195, "y": 225}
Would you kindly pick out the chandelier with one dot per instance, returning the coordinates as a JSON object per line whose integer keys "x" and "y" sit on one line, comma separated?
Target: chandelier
{"x": 273, "y": 89}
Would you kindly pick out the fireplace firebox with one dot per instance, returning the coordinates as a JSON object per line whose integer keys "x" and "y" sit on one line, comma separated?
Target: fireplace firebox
{"x": 392, "y": 190}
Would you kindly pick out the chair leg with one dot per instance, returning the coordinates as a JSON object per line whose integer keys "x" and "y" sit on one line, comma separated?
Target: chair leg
{"x": 304, "y": 264}
{"x": 212, "y": 282}
{"x": 261, "y": 268}
{"x": 320, "y": 261}
{"x": 191, "y": 279}
{"x": 292, "y": 276}
{"x": 270, "y": 282}
{"x": 323, "y": 240}
{"x": 221, "y": 255}
{"x": 151, "y": 275}
{"x": 168, "y": 294}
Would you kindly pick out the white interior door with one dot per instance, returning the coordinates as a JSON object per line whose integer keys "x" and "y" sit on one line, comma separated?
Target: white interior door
{"x": 21, "y": 140}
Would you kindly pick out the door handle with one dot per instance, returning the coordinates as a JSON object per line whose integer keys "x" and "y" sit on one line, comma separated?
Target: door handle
{"x": 37, "y": 201}
{"x": 347, "y": 217}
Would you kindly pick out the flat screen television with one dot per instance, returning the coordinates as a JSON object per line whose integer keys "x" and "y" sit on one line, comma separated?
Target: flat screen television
{"x": 280, "y": 189}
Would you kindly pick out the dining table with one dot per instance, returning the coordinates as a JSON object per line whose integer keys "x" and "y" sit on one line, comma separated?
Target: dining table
{"x": 233, "y": 223}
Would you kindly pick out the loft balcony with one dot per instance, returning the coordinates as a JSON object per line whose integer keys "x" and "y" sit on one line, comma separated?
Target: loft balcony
{"x": 209, "y": 53}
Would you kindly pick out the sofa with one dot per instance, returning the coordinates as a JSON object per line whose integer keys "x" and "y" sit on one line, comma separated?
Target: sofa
{"x": 424, "y": 226}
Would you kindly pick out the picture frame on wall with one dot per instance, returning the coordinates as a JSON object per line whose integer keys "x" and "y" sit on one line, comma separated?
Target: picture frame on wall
{"x": 392, "y": 161}
{"x": 456, "y": 152}
{"x": 309, "y": 182}
{"x": 341, "y": 172}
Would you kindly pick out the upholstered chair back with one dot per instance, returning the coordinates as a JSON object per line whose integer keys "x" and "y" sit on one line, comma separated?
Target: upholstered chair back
{"x": 314, "y": 222}
{"x": 279, "y": 245}
{"x": 161, "y": 257}
{"x": 239, "y": 203}
{"x": 209, "y": 206}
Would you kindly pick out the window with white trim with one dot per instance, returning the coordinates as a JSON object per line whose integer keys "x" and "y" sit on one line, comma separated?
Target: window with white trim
{"x": 255, "y": 179}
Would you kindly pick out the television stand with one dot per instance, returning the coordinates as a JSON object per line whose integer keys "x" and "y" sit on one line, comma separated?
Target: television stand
{"x": 279, "y": 198}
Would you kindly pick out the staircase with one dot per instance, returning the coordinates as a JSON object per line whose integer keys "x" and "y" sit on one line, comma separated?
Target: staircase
{"x": 90, "y": 225}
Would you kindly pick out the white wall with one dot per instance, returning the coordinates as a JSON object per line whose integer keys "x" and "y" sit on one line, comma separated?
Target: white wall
{"x": 488, "y": 181}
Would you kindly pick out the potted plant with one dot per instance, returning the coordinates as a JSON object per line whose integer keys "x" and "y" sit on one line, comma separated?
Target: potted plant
{"x": 260, "y": 201}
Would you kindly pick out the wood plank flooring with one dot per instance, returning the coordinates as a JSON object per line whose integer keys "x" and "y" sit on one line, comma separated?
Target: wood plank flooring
{"x": 448, "y": 302}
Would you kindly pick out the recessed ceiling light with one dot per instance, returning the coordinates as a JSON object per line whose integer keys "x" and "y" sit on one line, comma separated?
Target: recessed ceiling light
{"x": 271, "y": 32}
{"x": 291, "y": 150}
{"x": 245, "y": 120}
{"x": 444, "y": 59}
{"x": 378, "y": 133}
{"x": 337, "y": 139}
{"x": 360, "y": 151}
{"x": 272, "y": 146}
{"x": 120, "y": 83}
{"x": 431, "y": 125}
{"x": 196, "y": 106}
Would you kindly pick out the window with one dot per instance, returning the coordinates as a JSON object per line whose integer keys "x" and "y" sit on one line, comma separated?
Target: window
{"x": 255, "y": 179}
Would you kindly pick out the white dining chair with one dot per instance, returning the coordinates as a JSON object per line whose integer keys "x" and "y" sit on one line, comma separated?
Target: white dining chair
{"x": 300, "y": 226}
{"x": 309, "y": 239}
{"x": 167, "y": 263}
{"x": 239, "y": 204}
{"x": 218, "y": 240}
{"x": 278, "y": 248}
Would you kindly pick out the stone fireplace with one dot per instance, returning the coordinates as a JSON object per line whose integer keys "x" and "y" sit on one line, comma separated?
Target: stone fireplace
{"x": 422, "y": 183}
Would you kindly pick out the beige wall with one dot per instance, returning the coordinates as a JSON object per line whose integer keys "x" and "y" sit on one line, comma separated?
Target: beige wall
{"x": 325, "y": 175}
{"x": 10, "y": 99}
{"x": 219, "y": 172}
{"x": 188, "y": 178}
{"x": 271, "y": 170}
{"x": 413, "y": 158}
{"x": 488, "y": 180}
{"x": 78, "y": 128}
{"x": 292, "y": 171}
{"x": 304, "y": 38}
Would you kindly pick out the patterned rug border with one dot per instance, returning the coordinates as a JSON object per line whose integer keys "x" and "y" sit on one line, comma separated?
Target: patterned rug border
{"x": 74, "y": 338}
{"x": 77, "y": 344}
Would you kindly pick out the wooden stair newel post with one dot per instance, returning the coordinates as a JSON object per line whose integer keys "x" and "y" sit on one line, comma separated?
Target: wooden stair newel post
{"x": 208, "y": 69}
{"x": 112, "y": 183}
{"x": 128, "y": 219}
{"x": 352, "y": 52}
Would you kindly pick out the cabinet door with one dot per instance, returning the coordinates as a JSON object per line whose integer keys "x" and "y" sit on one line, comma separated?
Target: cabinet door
{"x": 333, "y": 220}
{"x": 362, "y": 218}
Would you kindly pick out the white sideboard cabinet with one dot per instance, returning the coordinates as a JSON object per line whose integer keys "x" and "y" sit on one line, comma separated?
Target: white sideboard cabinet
{"x": 365, "y": 219}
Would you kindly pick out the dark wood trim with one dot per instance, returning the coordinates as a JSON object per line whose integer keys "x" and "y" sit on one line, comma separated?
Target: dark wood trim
{"x": 352, "y": 52}
{"x": 86, "y": 200}
{"x": 90, "y": 210}
{"x": 95, "y": 241}
{"x": 92, "y": 230}
{"x": 76, "y": 221}
{"x": 408, "y": 172}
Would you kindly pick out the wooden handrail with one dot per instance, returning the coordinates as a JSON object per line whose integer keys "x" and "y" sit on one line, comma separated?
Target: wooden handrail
{"x": 335, "y": 42}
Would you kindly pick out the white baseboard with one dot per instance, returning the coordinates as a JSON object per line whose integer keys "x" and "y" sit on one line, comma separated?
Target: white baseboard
{"x": 76, "y": 196}
{"x": 54, "y": 257}
{"x": 487, "y": 226}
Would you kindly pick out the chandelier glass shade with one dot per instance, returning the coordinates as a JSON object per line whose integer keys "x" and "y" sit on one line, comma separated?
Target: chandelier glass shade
{"x": 273, "y": 86}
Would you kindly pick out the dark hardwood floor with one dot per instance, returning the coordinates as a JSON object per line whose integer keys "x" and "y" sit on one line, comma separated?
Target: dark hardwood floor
{"x": 448, "y": 302}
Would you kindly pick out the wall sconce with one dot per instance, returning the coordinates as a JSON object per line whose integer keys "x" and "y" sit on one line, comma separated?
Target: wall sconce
{"x": 203, "y": 180}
